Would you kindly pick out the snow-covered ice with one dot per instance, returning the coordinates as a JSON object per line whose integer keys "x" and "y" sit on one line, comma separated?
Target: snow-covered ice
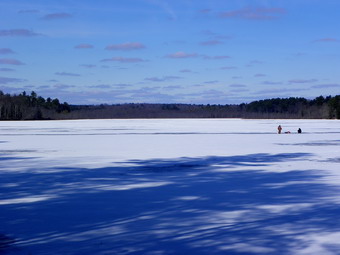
{"x": 170, "y": 186}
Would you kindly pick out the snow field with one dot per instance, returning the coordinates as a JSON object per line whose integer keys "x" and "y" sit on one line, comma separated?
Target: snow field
{"x": 170, "y": 186}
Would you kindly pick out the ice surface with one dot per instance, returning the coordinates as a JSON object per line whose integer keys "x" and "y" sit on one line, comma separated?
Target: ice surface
{"x": 169, "y": 186}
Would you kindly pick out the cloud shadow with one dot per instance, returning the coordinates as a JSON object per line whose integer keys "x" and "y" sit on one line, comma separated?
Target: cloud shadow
{"x": 208, "y": 205}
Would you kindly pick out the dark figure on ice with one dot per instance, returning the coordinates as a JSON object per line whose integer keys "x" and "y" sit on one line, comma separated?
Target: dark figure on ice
{"x": 279, "y": 129}
{"x": 299, "y": 131}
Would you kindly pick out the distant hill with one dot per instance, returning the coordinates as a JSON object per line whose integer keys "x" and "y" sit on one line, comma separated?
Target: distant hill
{"x": 34, "y": 107}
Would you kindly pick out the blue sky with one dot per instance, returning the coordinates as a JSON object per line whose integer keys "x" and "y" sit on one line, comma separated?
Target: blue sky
{"x": 170, "y": 51}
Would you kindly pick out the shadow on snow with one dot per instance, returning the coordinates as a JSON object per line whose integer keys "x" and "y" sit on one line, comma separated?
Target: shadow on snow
{"x": 195, "y": 205}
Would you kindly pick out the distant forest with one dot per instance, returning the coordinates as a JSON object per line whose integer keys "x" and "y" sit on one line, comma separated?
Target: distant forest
{"x": 33, "y": 107}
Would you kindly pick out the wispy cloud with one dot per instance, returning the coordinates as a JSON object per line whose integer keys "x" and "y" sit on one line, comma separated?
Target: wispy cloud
{"x": 228, "y": 67}
{"x": 126, "y": 46}
{"x": 10, "y": 61}
{"x": 205, "y": 11}
{"x": 101, "y": 86}
{"x": 18, "y": 32}
{"x": 278, "y": 91}
{"x": 4, "y": 51}
{"x": 67, "y": 74}
{"x": 6, "y": 80}
{"x": 57, "y": 16}
{"x": 6, "y": 70}
{"x": 184, "y": 55}
{"x": 164, "y": 5}
{"x": 216, "y": 57}
{"x": 272, "y": 83}
{"x": 300, "y": 54}
{"x": 323, "y": 86}
{"x": 123, "y": 60}
{"x": 213, "y": 93}
{"x": 181, "y": 54}
{"x": 88, "y": 65}
{"x": 121, "y": 85}
{"x": 216, "y": 36}
{"x": 240, "y": 90}
{"x": 254, "y": 62}
{"x": 43, "y": 87}
{"x": 237, "y": 86}
{"x": 28, "y": 11}
{"x": 84, "y": 46}
{"x": 211, "y": 43}
{"x": 303, "y": 81}
{"x": 259, "y": 75}
{"x": 185, "y": 71}
{"x": 162, "y": 79}
{"x": 61, "y": 86}
{"x": 211, "y": 82}
{"x": 251, "y": 13}
{"x": 327, "y": 40}
{"x": 173, "y": 87}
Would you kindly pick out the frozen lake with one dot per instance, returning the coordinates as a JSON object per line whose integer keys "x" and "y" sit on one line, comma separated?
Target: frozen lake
{"x": 170, "y": 186}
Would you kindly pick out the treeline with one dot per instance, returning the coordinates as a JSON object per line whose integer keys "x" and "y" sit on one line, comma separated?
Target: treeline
{"x": 285, "y": 108}
{"x": 153, "y": 111}
{"x": 30, "y": 107}
{"x": 294, "y": 107}
{"x": 34, "y": 107}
